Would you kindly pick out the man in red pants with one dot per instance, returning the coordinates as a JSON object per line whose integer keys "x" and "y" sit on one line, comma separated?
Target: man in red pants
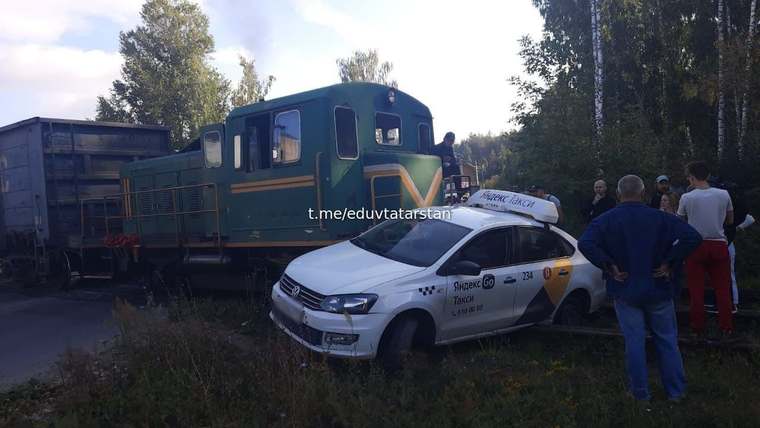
{"x": 708, "y": 209}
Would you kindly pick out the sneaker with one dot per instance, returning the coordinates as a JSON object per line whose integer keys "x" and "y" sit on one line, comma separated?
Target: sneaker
{"x": 735, "y": 309}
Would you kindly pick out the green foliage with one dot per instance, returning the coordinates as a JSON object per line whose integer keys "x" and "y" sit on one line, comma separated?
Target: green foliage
{"x": 365, "y": 67}
{"x": 250, "y": 89}
{"x": 491, "y": 153}
{"x": 660, "y": 101}
{"x": 166, "y": 78}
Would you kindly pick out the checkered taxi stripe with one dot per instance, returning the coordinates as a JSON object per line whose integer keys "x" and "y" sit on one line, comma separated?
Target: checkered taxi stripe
{"x": 426, "y": 290}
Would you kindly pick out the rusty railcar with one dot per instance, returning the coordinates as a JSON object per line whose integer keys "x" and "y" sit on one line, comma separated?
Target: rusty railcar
{"x": 47, "y": 168}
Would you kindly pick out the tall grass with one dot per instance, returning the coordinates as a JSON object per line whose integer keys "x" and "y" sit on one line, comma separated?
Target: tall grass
{"x": 211, "y": 363}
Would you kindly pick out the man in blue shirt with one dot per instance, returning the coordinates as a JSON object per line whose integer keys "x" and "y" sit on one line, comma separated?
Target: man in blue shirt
{"x": 639, "y": 249}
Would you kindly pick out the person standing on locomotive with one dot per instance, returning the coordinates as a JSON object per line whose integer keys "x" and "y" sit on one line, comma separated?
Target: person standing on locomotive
{"x": 445, "y": 150}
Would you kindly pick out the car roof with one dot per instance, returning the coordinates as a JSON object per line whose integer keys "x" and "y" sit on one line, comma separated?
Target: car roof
{"x": 479, "y": 218}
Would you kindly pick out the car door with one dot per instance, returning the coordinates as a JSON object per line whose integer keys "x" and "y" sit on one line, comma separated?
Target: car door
{"x": 477, "y": 304}
{"x": 543, "y": 259}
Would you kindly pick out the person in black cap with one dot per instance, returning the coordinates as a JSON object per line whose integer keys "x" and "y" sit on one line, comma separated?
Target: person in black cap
{"x": 539, "y": 191}
{"x": 445, "y": 150}
{"x": 662, "y": 186}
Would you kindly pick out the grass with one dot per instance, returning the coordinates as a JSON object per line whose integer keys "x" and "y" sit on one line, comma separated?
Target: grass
{"x": 221, "y": 363}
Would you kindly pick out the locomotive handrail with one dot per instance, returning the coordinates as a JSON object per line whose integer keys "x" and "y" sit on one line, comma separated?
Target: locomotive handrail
{"x": 125, "y": 200}
{"x": 318, "y": 180}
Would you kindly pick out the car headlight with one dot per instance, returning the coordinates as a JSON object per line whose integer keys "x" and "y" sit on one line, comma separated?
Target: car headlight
{"x": 349, "y": 303}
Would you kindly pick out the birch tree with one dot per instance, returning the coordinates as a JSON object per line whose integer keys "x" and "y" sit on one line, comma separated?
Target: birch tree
{"x": 747, "y": 77}
{"x": 721, "y": 86}
{"x": 598, "y": 75}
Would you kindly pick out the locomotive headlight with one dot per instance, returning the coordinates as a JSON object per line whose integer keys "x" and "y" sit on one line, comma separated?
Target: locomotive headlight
{"x": 391, "y": 96}
{"x": 349, "y": 303}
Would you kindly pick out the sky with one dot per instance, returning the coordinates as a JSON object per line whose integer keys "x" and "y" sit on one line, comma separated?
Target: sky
{"x": 57, "y": 56}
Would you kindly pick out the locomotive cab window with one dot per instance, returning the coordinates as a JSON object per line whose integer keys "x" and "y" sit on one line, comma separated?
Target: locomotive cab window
{"x": 212, "y": 149}
{"x": 286, "y": 147}
{"x": 257, "y": 153}
{"x": 424, "y": 138}
{"x": 387, "y": 129}
{"x": 345, "y": 133}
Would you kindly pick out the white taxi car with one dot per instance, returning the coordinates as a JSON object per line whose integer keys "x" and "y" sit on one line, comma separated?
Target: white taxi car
{"x": 492, "y": 266}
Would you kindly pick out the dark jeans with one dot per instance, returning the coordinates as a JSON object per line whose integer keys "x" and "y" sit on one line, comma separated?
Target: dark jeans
{"x": 661, "y": 319}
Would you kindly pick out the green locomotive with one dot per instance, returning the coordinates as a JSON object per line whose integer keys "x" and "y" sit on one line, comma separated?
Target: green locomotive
{"x": 276, "y": 179}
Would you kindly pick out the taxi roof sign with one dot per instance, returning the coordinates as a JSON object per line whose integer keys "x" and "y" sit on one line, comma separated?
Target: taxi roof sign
{"x": 501, "y": 200}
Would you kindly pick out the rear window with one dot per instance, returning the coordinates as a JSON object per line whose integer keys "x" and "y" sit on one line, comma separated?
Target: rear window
{"x": 387, "y": 129}
{"x": 536, "y": 244}
{"x": 345, "y": 133}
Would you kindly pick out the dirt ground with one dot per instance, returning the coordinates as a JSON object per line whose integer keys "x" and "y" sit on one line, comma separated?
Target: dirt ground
{"x": 37, "y": 324}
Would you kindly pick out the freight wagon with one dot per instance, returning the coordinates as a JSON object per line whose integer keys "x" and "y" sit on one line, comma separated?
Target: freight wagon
{"x": 48, "y": 167}
{"x": 247, "y": 195}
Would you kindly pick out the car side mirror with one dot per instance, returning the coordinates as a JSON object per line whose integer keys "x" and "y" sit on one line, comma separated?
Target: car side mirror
{"x": 465, "y": 267}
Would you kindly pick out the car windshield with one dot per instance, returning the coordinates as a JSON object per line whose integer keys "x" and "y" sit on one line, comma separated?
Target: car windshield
{"x": 418, "y": 243}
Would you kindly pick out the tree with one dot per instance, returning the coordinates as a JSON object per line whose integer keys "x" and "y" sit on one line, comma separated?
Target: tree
{"x": 747, "y": 77}
{"x": 365, "y": 67}
{"x": 250, "y": 89}
{"x": 596, "y": 37}
{"x": 721, "y": 85}
{"x": 166, "y": 78}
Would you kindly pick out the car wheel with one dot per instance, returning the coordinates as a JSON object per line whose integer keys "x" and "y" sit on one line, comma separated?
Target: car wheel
{"x": 397, "y": 344}
{"x": 572, "y": 311}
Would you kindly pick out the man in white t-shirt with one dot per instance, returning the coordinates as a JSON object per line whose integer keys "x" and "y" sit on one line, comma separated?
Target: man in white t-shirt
{"x": 707, "y": 210}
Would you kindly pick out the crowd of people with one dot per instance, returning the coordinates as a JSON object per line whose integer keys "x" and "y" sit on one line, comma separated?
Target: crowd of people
{"x": 668, "y": 200}
{"x": 645, "y": 248}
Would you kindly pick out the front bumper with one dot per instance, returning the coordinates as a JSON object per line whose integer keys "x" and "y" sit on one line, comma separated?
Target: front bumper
{"x": 309, "y": 327}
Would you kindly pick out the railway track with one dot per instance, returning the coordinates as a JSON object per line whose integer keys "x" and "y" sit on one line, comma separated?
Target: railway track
{"x": 739, "y": 344}
{"x": 604, "y": 324}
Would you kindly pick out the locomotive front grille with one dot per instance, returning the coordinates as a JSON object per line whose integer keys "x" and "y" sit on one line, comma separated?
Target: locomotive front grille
{"x": 311, "y": 299}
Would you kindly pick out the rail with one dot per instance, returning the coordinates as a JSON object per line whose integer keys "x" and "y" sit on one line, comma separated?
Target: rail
{"x": 129, "y": 207}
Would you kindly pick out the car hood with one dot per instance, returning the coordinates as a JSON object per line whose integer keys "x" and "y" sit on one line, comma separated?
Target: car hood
{"x": 345, "y": 268}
